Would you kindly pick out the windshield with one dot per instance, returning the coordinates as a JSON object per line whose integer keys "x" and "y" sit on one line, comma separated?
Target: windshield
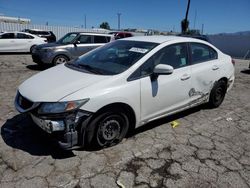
{"x": 113, "y": 58}
{"x": 68, "y": 38}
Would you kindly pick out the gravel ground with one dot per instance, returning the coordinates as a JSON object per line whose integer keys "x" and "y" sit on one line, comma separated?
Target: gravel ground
{"x": 209, "y": 148}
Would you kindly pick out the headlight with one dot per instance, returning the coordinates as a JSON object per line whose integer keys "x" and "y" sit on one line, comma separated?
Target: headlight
{"x": 60, "y": 107}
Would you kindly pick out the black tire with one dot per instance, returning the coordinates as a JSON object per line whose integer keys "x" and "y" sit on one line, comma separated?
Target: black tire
{"x": 59, "y": 59}
{"x": 107, "y": 129}
{"x": 217, "y": 94}
{"x": 32, "y": 48}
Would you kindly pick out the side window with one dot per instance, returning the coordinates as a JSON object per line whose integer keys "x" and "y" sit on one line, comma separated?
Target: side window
{"x": 100, "y": 39}
{"x": 201, "y": 53}
{"x": 174, "y": 55}
{"x": 108, "y": 39}
{"x": 213, "y": 53}
{"x": 7, "y": 36}
{"x": 85, "y": 39}
{"x": 23, "y": 36}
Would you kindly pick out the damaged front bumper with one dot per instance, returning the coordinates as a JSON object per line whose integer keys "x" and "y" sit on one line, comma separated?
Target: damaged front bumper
{"x": 65, "y": 128}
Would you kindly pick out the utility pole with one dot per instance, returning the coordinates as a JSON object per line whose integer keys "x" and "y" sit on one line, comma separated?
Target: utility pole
{"x": 186, "y": 17}
{"x": 85, "y": 21}
{"x": 119, "y": 19}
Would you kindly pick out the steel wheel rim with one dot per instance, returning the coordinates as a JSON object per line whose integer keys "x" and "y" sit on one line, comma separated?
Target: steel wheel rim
{"x": 109, "y": 130}
{"x": 61, "y": 60}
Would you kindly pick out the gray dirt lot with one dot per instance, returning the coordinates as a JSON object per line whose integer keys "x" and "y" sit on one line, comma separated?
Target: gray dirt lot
{"x": 210, "y": 147}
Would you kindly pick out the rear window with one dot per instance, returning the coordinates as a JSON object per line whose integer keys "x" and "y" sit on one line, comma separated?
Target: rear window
{"x": 201, "y": 53}
{"x": 39, "y": 32}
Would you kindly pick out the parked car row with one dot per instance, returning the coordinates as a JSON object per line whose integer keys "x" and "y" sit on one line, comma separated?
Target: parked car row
{"x": 69, "y": 47}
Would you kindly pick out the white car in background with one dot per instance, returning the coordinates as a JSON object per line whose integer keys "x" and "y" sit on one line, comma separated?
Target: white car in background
{"x": 19, "y": 42}
{"x": 103, "y": 95}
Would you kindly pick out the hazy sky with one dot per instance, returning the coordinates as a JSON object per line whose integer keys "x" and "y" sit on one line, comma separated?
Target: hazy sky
{"x": 165, "y": 15}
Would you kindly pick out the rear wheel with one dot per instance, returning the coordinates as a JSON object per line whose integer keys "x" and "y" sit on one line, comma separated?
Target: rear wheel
{"x": 217, "y": 94}
{"x": 109, "y": 128}
{"x": 60, "y": 59}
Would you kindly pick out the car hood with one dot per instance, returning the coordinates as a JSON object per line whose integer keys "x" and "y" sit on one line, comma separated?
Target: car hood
{"x": 56, "y": 83}
{"x": 49, "y": 45}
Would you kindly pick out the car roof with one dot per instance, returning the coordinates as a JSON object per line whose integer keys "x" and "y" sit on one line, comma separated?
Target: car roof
{"x": 161, "y": 39}
{"x": 36, "y": 30}
{"x": 19, "y": 32}
{"x": 99, "y": 34}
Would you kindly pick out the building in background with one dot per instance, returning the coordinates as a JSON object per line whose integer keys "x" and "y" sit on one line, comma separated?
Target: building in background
{"x": 19, "y": 20}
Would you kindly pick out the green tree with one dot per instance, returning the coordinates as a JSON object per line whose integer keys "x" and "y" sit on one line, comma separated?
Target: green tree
{"x": 105, "y": 25}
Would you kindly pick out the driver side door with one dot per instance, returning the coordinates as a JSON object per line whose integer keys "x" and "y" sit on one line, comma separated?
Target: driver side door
{"x": 165, "y": 94}
{"x": 83, "y": 44}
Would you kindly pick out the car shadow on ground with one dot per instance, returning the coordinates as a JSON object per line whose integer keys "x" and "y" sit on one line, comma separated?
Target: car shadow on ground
{"x": 167, "y": 119}
{"x": 21, "y": 133}
{"x": 245, "y": 71}
{"x": 37, "y": 67}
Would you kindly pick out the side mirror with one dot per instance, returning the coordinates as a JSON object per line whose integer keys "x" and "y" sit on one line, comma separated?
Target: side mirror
{"x": 76, "y": 42}
{"x": 163, "y": 69}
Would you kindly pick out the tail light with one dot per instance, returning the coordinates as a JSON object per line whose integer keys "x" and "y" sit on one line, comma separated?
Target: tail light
{"x": 233, "y": 62}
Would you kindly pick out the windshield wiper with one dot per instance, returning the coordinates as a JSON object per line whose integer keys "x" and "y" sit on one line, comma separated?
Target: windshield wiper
{"x": 91, "y": 69}
{"x": 86, "y": 67}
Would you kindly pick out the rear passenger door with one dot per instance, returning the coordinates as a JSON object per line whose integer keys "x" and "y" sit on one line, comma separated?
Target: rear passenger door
{"x": 204, "y": 69}
{"x": 23, "y": 42}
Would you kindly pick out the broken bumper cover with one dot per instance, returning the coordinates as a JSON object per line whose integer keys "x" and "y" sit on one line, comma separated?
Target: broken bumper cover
{"x": 230, "y": 82}
{"x": 64, "y": 128}
{"x": 48, "y": 125}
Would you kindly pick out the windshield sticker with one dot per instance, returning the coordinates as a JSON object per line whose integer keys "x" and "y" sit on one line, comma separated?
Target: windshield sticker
{"x": 138, "y": 50}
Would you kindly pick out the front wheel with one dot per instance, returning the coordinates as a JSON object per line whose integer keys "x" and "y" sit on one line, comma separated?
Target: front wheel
{"x": 217, "y": 94}
{"x": 60, "y": 59}
{"x": 109, "y": 129}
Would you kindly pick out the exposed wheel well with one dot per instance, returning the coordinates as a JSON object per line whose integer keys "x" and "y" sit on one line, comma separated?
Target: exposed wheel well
{"x": 224, "y": 79}
{"x": 31, "y": 48}
{"x": 124, "y": 107}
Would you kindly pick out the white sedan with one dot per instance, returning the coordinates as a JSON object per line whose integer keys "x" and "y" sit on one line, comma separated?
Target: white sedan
{"x": 103, "y": 95}
{"x": 19, "y": 42}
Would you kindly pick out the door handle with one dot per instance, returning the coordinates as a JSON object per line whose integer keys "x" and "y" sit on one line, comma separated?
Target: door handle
{"x": 185, "y": 76}
{"x": 215, "y": 67}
